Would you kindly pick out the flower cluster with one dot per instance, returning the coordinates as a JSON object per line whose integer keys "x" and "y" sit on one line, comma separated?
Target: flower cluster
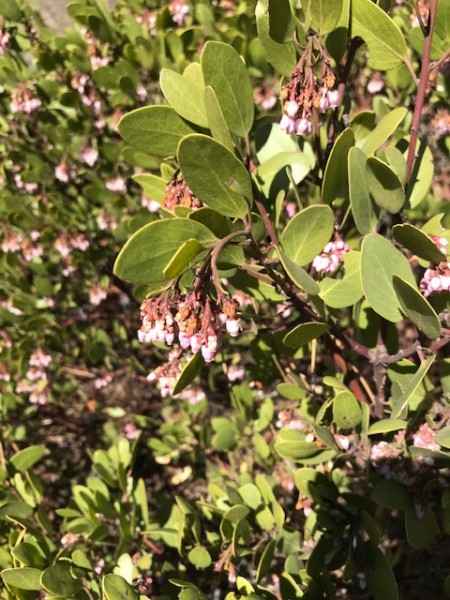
{"x": 331, "y": 257}
{"x": 5, "y": 41}
{"x": 178, "y": 193}
{"x": 307, "y": 92}
{"x": 436, "y": 279}
{"x": 194, "y": 323}
{"x": 35, "y": 382}
{"x": 13, "y": 242}
{"x": 65, "y": 243}
{"x": 179, "y": 11}
{"x": 23, "y": 101}
{"x": 167, "y": 374}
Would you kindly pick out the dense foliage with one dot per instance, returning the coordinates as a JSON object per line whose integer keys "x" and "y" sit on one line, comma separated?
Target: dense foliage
{"x": 272, "y": 177}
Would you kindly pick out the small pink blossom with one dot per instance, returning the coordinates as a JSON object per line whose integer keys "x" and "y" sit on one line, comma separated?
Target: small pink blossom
{"x": 117, "y": 184}
{"x": 101, "y": 382}
{"x": 150, "y": 205}
{"x": 425, "y": 437}
{"x": 97, "y": 294}
{"x": 179, "y": 10}
{"x": 331, "y": 257}
{"x": 11, "y": 242}
{"x": 5, "y": 41}
{"x": 89, "y": 155}
{"x": 40, "y": 359}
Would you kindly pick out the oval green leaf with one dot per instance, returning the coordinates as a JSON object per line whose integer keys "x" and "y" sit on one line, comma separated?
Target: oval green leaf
{"x": 417, "y": 308}
{"x": 147, "y": 253}
{"x": 298, "y": 275}
{"x": 380, "y": 262}
{"x": 281, "y": 56}
{"x": 26, "y": 458}
{"x": 417, "y": 242}
{"x": 216, "y": 121}
{"x": 154, "y": 187}
{"x": 224, "y": 70}
{"x": 346, "y": 411}
{"x": 23, "y": 578}
{"x": 304, "y": 333}
{"x": 365, "y": 212}
{"x": 189, "y": 373}
{"x": 115, "y": 587}
{"x": 386, "y": 426}
{"x": 154, "y": 129}
{"x": 325, "y": 14}
{"x": 184, "y": 96}
{"x": 383, "y": 131}
{"x": 339, "y": 293}
{"x": 384, "y": 185}
{"x": 200, "y": 557}
{"x": 182, "y": 257}
{"x": 308, "y": 233}
{"x": 215, "y": 175}
{"x": 336, "y": 172}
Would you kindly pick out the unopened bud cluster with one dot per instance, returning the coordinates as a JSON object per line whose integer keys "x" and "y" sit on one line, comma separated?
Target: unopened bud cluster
{"x": 307, "y": 92}
{"x": 436, "y": 279}
{"x": 178, "y": 193}
{"x": 330, "y": 258}
{"x": 194, "y": 324}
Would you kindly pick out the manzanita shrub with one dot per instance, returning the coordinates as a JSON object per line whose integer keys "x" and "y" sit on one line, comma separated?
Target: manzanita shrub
{"x": 293, "y": 282}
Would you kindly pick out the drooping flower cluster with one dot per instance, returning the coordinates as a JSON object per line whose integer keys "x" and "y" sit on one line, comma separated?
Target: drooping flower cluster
{"x": 195, "y": 324}
{"x": 309, "y": 89}
{"x": 167, "y": 374}
{"x": 65, "y": 243}
{"x": 436, "y": 279}
{"x": 13, "y": 242}
{"x": 178, "y": 193}
{"x": 35, "y": 381}
{"x": 23, "y": 101}
{"x": 331, "y": 257}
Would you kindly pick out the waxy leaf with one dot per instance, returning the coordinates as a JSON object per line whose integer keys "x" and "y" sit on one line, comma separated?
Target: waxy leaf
{"x": 443, "y": 438}
{"x": 23, "y": 578}
{"x": 297, "y": 450}
{"x": 346, "y": 411}
{"x": 386, "y": 426}
{"x": 422, "y": 174}
{"x": 215, "y": 175}
{"x": 339, "y": 293}
{"x": 26, "y": 458}
{"x": 147, "y": 253}
{"x": 387, "y": 46}
{"x": 298, "y": 275}
{"x": 58, "y": 580}
{"x": 281, "y": 56}
{"x": 183, "y": 256}
{"x": 184, "y": 96}
{"x": 115, "y": 587}
{"x": 216, "y": 121}
{"x": 418, "y": 242}
{"x": 200, "y": 557}
{"x": 336, "y": 172}
{"x": 304, "y": 333}
{"x": 307, "y": 233}
{"x": 391, "y": 494}
{"x": 154, "y": 129}
{"x": 383, "y": 131}
{"x": 225, "y": 72}
{"x": 401, "y": 403}
{"x": 189, "y": 373}
{"x": 324, "y": 14}
{"x": 417, "y": 308}
{"x": 384, "y": 185}
{"x": 421, "y": 531}
{"x": 380, "y": 577}
{"x": 280, "y": 20}
{"x": 365, "y": 212}
{"x": 380, "y": 262}
{"x": 154, "y": 187}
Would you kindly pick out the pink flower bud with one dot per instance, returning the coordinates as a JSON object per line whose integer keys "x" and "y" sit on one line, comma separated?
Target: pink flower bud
{"x": 291, "y": 108}
{"x": 303, "y": 127}
{"x": 333, "y": 98}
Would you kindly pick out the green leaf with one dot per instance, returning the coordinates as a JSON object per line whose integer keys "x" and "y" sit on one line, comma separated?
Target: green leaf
{"x": 200, "y": 557}
{"x": 422, "y": 174}
{"x": 380, "y": 262}
{"x": 147, "y": 253}
{"x": 296, "y": 451}
{"x": 298, "y": 275}
{"x": 224, "y": 70}
{"x": 280, "y": 20}
{"x": 442, "y": 25}
{"x": 339, "y": 293}
{"x": 336, "y": 172}
{"x": 385, "y": 128}
{"x": 380, "y": 577}
{"x": 9, "y": 9}
{"x": 281, "y": 56}
{"x": 417, "y": 308}
{"x": 154, "y": 187}
{"x": 386, "y": 426}
{"x": 298, "y": 161}
{"x": 365, "y": 212}
{"x": 213, "y": 173}
{"x": 265, "y": 561}
{"x": 26, "y": 458}
{"x": 346, "y": 411}
{"x": 414, "y": 383}
{"x": 421, "y": 531}
{"x": 304, "y": 333}
{"x": 189, "y": 373}
{"x": 308, "y": 233}
{"x": 23, "y": 578}
{"x": 182, "y": 258}
{"x": 154, "y": 129}
{"x": 115, "y": 587}
{"x": 384, "y": 185}
{"x": 418, "y": 242}
{"x": 387, "y": 46}
{"x": 391, "y": 494}
{"x": 58, "y": 579}
{"x": 216, "y": 121}
{"x": 325, "y": 14}
{"x": 184, "y": 96}
{"x": 443, "y": 437}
